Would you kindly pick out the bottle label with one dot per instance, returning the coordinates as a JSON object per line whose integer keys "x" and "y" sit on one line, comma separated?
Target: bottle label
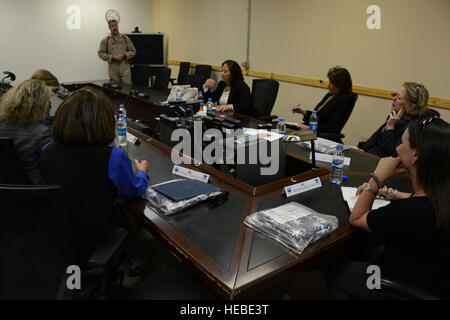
{"x": 122, "y": 131}
{"x": 338, "y": 163}
{"x": 313, "y": 127}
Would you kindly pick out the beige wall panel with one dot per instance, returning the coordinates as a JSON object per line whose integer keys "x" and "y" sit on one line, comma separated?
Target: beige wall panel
{"x": 305, "y": 37}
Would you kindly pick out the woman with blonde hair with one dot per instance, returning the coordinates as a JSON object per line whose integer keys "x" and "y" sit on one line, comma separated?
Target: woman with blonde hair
{"x": 410, "y": 103}
{"x": 47, "y": 78}
{"x": 21, "y": 108}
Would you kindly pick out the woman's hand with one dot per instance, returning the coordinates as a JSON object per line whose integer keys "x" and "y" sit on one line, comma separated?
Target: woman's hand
{"x": 141, "y": 165}
{"x": 388, "y": 167}
{"x": 223, "y": 108}
{"x": 360, "y": 189}
{"x": 394, "y": 117}
{"x": 297, "y": 109}
{"x": 209, "y": 83}
{"x": 303, "y": 126}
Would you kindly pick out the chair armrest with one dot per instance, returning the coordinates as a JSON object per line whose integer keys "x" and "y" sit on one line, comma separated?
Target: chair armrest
{"x": 395, "y": 289}
{"x": 337, "y": 137}
{"x": 108, "y": 248}
{"x": 268, "y": 118}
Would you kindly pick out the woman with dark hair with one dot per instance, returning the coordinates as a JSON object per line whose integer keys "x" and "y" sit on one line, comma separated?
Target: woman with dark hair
{"x": 335, "y": 108}
{"x": 232, "y": 93}
{"x": 416, "y": 225}
{"x": 91, "y": 171}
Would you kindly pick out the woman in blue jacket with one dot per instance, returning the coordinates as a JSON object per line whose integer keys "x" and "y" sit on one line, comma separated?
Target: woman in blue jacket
{"x": 91, "y": 172}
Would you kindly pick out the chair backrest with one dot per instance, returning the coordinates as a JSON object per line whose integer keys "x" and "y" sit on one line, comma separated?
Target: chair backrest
{"x": 11, "y": 170}
{"x": 203, "y": 70}
{"x": 162, "y": 78}
{"x": 183, "y": 72}
{"x": 35, "y": 242}
{"x": 264, "y": 94}
{"x": 140, "y": 75}
{"x": 195, "y": 81}
{"x": 354, "y": 98}
{"x": 431, "y": 113}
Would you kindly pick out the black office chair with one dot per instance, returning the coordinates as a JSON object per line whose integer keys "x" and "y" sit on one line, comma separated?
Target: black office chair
{"x": 195, "y": 81}
{"x": 264, "y": 94}
{"x": 162, "y": 78}
{"x": 431, "y": 113}
{"x": 337, "y": 137}
{"x": 34, "y": 246}
{"x": 11, "y": 170}
{"x": 140, "y": 75}
{"x": 204, "y": 71}
{"x": 182, "y": 73}
{"x": 37, "y": 247}
{"x": 397, "y": 290}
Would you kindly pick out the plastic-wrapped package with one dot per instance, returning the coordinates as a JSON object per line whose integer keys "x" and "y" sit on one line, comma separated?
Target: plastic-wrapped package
{"x": 322, "y": 145}
{"x": 292, "y": 224}
{"x": 167, "y": 206}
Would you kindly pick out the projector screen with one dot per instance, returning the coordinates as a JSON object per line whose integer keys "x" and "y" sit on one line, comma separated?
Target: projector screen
{"x": 149, "y": 47}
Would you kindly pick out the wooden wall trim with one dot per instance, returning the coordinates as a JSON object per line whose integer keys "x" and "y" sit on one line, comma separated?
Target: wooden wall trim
{"x": 438, "y": 102}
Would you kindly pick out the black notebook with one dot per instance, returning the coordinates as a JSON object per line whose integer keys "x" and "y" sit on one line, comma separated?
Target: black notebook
{"x": 185, "y": 189}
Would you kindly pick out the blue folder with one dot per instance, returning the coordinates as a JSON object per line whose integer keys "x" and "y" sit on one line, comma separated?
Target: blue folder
{"x": 185, "y": 189}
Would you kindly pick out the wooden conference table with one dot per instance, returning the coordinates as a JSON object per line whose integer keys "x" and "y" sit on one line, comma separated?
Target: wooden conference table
{"x": 236, "y": 261}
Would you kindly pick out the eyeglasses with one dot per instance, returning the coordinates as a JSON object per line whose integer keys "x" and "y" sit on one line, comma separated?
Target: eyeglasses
{"x": 425, "y": 122}
{"x": 418, "y": 130}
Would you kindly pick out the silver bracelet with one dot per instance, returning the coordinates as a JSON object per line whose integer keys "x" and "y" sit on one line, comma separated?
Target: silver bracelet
{"x": 390, "y": 194}
{"x": 387, "y": 193}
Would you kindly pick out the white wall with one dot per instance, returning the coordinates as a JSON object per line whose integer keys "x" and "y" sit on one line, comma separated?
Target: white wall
{"x": 307, "y": 37}
{"x": 35, "y": 36}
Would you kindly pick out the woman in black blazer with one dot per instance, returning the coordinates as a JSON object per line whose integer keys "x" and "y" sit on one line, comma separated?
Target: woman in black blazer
{"x": 232, "y": 93}
{"x": 410, "y": 103}
{"x": 335, "y": 108}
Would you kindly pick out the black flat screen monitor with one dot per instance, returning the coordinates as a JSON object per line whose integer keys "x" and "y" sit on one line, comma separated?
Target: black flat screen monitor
{"x": 149, "y": 47}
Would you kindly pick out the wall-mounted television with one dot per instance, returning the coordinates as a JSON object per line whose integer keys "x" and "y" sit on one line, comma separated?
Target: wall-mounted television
{"x": 150, "y": 48}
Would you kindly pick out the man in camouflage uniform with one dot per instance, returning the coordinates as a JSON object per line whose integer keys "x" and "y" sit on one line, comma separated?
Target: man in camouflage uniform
{"x": 117, "y": 49}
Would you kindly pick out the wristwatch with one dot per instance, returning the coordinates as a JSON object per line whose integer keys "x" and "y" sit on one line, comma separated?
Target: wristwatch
{"x": 368, "y": 188}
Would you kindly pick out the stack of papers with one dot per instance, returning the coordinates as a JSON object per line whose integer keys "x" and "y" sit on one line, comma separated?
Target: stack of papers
{"x": 263, "y": 134}
{"x": 349, "y": 195}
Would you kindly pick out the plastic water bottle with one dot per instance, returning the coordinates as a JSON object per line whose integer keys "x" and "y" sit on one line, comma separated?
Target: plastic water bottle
{"x": 200, "y": 97}
{"x": 209, "y": 105}
{"x": 337, "y": 167}
{"x": 281, "y": 126}
{"x": 201, "y": 109}
{"x": 122, "y": 132}
{"x": 123, "y": 111}
{"x": 178, "y": 95}
{"x": 313, "y": 121}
